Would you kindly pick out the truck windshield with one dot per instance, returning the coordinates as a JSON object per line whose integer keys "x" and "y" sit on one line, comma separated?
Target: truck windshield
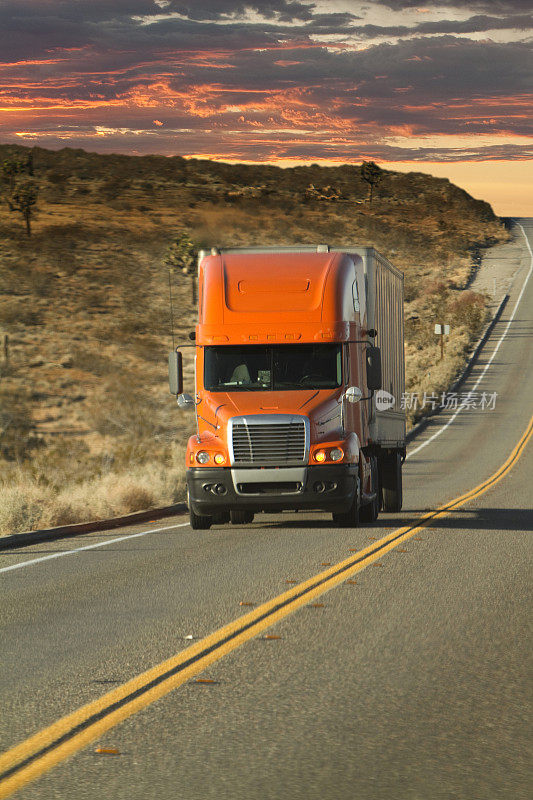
{"x": 262, "y": 367}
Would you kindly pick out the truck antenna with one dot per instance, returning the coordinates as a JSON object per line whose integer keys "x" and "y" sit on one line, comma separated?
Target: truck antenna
{"x": 170, "y": 271}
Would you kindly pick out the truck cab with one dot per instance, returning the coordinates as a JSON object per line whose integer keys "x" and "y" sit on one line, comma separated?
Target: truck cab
{"x": 286, "y": 373}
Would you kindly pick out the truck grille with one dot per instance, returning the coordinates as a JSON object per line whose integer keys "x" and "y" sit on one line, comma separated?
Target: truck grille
{"x": 266, "y": 440}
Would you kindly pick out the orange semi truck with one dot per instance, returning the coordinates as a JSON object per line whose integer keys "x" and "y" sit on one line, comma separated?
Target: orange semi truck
{"x": 299, "y": 380}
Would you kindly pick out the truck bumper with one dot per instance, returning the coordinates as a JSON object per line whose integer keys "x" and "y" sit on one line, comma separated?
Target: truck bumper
{"x": 326, "y": 487}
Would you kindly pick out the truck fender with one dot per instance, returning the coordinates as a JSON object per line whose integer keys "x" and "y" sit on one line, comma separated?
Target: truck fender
{"x": 352, "y": 448}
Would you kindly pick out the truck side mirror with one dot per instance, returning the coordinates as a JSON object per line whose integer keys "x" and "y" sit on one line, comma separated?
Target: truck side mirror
{"x": 373, "y": 367}
{"x": 175, "y": 372}
{"x": 353, "y": 394}
{"x": 185, "y": 401}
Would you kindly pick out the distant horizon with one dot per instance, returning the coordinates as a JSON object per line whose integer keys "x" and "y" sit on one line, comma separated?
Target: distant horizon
{"x": 510, "y": 199}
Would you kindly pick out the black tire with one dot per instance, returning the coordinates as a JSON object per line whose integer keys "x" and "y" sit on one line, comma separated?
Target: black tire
{"x": 349, "y": 518}
{"x": 200, "y": 522}
{"x": 391, "y": 482}
{"x": 240, "y": 516}
{"x": 370, "y": 511}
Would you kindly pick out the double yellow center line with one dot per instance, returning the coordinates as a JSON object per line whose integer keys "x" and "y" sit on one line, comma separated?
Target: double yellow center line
{"x": 39, "y": 753}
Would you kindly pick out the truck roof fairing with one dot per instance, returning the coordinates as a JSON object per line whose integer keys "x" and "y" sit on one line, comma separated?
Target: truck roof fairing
{"x": 278, "y": 297}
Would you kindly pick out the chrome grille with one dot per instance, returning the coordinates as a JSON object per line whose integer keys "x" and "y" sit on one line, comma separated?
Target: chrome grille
{"x": 269, "y": 440}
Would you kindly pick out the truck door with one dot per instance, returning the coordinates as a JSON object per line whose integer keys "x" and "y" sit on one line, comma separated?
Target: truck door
{"x": 355, "y": 413}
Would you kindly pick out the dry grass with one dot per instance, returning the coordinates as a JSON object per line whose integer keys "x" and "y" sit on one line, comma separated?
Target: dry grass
{"x": 27, "y": 504}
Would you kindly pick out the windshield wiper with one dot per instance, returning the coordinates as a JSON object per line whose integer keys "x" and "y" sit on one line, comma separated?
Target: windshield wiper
{"x": 237, "y": 387}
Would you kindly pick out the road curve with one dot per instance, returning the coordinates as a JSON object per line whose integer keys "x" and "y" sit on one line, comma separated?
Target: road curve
{"x": 407, "y": 683}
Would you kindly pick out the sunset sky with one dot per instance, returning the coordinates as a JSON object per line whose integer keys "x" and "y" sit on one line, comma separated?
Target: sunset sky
{"x": 440, "y": 87}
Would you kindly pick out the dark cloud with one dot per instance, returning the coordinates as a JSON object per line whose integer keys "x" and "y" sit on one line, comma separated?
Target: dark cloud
{"x": 476, "y": 24}
{"x": 281, "y": 11}
{"x": 490, "y": 6}
{"x": 284, "y": 10}
{"x": 436, "y": 68}
{"x": 78, "y": 11}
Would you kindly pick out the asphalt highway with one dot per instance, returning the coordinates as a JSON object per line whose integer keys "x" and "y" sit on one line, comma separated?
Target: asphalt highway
{"x": 408, "y": 680}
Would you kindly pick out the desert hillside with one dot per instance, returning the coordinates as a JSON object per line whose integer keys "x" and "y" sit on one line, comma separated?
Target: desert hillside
{"x": 87, "y": 426}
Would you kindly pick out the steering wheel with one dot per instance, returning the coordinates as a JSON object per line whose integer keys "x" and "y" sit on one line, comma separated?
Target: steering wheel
{"x": 311, "y": 377}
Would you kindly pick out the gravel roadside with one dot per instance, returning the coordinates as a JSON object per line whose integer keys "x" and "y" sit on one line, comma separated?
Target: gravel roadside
{"x": 498, "y": 268}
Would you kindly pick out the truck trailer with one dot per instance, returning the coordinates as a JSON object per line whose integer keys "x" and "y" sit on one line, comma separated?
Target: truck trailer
{"x": 299, "y": 372}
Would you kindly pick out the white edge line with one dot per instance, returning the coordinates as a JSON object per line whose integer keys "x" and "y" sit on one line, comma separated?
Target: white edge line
{"x": 89, "y": 547}
{"x": 489, "y": 362}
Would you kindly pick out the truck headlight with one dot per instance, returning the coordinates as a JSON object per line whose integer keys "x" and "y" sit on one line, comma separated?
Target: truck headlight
{"x": 202, "y": 456}
{"x": 220, "y": 458}
{"x": 320, "y": 456}
{"x": 336, "y": 454}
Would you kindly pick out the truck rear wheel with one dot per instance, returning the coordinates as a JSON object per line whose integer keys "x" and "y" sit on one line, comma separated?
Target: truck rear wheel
{"x": 240, "y": 516}
{"x": 391, "y": 482}
{"x": 200, "y": 522}
{"x": 349, "y": 518}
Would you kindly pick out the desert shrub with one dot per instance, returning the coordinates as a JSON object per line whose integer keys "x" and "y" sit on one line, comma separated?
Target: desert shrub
{"x": 16, "y": 424}
{"x": 90, "y": 360}
{"x": 64, "y": 461}
{"x": 136, "y": 498}
{"x": 411, "y": 288}
{"x": 21, "y": 506}
{"x": 94, "y": 297}
{"x": 121, "y": 408}
{"x": 120, "y": 205}
{"x": 19, "y": 312}
{"x": 150, "y": 349}
{"x": 41, "y": 283}
{"x": 133, "y": 325}
{"x": 113, "y": 187}
{"x": 435, "y": 296}
{"x": 57, "y": 178}
{"x": 469, "y": 310}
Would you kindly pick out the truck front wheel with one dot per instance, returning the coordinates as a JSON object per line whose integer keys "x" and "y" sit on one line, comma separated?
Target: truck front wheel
{"x": 391, "y": 481}
{"x": 200, "y": 522}
{"x": 350, "y": 518}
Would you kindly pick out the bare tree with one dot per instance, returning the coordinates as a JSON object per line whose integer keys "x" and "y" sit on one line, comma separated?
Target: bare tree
{"x": 11, "y": 168}
{"x": 23, "y": 198}
{"x": 372, "y": 174}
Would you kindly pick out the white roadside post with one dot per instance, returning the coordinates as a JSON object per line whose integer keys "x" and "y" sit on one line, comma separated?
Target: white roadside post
{"x": 442, "y": 330}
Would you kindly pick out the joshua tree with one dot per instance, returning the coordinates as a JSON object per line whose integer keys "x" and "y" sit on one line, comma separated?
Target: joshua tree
{"x": 182, "y": 255}
{"x": 372, "y": 174}
{"x": 11, "y": 167}
{"x": 23, "y": 198}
